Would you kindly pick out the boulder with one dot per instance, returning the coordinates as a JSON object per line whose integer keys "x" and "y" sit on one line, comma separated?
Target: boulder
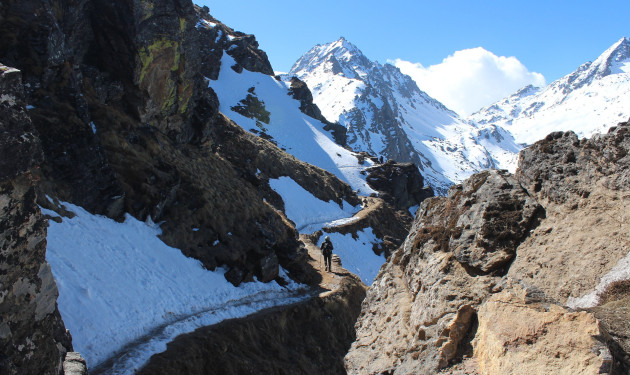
{"x": 74, "y": 364}
{"x": 521, "y": 335}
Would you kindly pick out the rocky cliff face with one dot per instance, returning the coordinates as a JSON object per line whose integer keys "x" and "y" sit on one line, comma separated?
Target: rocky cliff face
{"x": 117, "y": 92}
{"x": 128, "y": 124}
{"x": 482, "y": 282}
{"x": 33, "y": 339}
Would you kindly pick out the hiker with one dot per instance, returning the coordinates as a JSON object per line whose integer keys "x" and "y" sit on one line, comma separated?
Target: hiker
{"x": 327, "y": 249}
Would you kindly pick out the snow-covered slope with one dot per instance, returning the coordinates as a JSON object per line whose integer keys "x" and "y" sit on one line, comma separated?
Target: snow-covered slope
{"x": 124, "y": 294}
{"x": 587, "y": 101}
{"x": 386, "y": 114}
{"x": 261, "y": 104}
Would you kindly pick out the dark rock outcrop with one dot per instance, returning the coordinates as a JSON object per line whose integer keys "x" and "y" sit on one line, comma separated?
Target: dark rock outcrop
{"x": 33, "y": 339}
{"x": 300, "y": 91}
{"x": 217, "y": 38}
{"x": 495, "y": 216}
{"x": 400, "y": 184}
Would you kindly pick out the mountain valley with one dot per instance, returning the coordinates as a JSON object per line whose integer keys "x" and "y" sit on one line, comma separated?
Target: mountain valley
{"x": 165, "y": 195}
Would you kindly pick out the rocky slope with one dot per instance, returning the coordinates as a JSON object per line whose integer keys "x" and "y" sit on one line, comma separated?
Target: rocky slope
{"x": 128, "y": 124}
{"x": 587, "y": 101}
{"x": 482, "y": 283}
{"x": 387, "y": 115}
{"x": 33, "y": 339}
{"x": 116, "y": 109}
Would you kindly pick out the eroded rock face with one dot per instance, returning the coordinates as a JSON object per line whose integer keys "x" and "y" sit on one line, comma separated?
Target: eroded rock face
{"x": 584, "y": 187}
{"x": 33, "y": 339}
{"x": 496, "y": 215}
{"x": 520, "y": 334}
{"x": 561, "y": 167}
{"x": 441, "y": 289}
{"x": 541, "y": 239}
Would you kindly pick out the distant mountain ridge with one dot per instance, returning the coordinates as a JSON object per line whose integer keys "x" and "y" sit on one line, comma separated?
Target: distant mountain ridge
{"x": 386, "y": 114}
{"x": 589, "y": 100}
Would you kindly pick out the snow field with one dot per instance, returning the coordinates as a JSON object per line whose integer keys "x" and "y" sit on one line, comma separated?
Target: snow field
{"x": 119, "y": 281}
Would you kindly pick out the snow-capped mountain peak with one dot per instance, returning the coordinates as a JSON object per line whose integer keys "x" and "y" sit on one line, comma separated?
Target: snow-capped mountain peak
{"x": 589, "y": 100}
{"x": 338, "y": 57}
{"x": 386, "y": 114}
{"x": 615, "y": 59}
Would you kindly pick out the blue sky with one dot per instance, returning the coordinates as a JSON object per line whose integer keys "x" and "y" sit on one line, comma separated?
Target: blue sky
{"x": 548, "y": 37}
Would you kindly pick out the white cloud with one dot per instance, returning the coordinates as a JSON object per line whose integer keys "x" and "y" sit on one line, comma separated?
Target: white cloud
{"x": 471, "y": 79}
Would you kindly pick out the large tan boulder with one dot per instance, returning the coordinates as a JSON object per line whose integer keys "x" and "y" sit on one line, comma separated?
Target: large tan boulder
{"x": 519, "y": 336}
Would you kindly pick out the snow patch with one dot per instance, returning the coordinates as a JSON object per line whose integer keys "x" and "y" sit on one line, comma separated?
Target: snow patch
{"x": 205, "y": 24}
{"x": 621, "y": 271}
{"x": 307, "y": 211}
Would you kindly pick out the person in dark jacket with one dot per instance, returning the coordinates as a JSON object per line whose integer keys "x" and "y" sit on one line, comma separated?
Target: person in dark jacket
{"x": 327, "y": 249}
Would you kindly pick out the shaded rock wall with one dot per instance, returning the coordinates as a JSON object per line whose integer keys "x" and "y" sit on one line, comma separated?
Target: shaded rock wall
{"x": 33, "y": 339}
{"x": 399, "y": 184}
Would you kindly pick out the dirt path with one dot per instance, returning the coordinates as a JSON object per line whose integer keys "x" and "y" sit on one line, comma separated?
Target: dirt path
{"x": 308, "y": 337}
{"x": 330, "y": 281}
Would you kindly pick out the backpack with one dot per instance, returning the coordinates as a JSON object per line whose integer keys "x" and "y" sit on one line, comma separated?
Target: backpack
{"x": 326, "y": 248}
